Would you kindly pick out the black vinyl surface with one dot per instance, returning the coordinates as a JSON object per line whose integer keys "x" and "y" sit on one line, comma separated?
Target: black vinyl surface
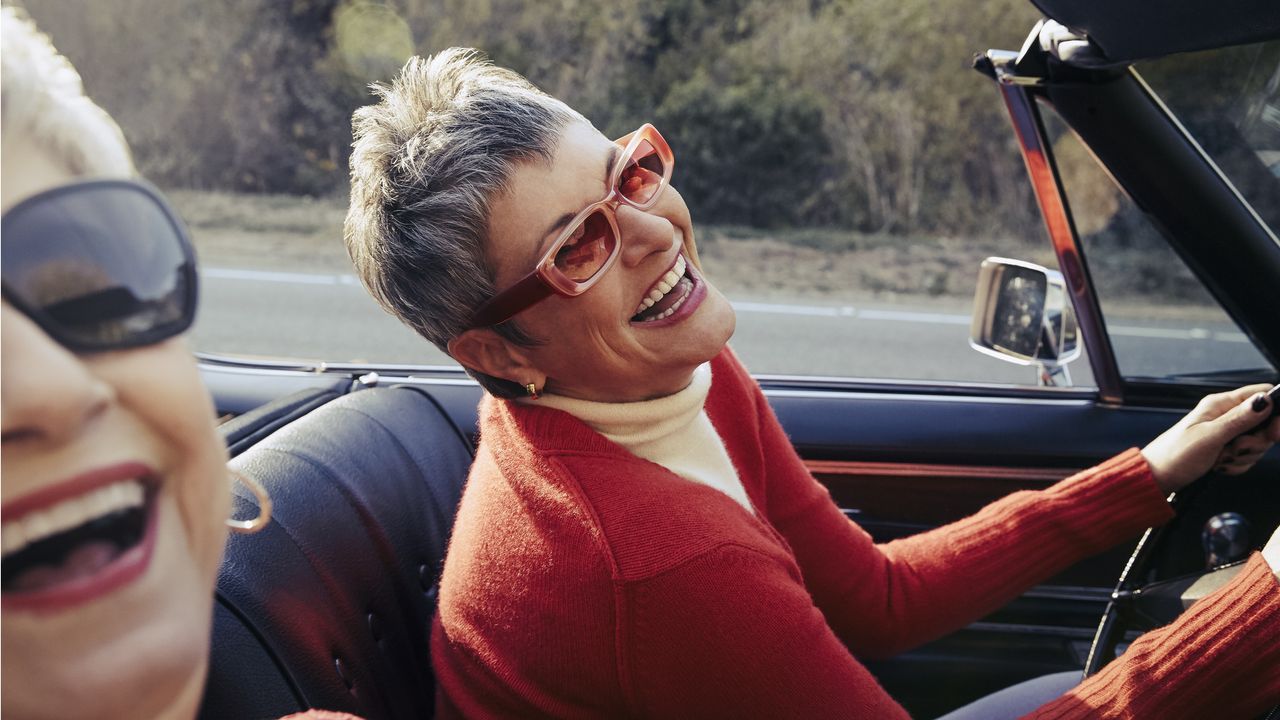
{"x": 330, "y": 605}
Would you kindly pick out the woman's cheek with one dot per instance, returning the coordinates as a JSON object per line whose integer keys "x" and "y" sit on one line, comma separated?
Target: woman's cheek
{"x": 209, "y": 509}
{"x": 185, "y": 420}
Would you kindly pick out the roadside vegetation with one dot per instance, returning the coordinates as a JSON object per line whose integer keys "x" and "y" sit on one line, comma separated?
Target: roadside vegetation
{"x": 859, "y": 115}
{"x": 292, "y": 233}
{"x": 823, "y": 145}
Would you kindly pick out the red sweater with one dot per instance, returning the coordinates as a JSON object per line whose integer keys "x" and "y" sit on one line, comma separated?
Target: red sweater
{"x": 584, "y": 582}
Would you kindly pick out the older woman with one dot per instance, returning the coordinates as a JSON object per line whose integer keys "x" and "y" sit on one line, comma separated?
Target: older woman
{"x": 115, "y": 494}
{"x": 638, "y": 538}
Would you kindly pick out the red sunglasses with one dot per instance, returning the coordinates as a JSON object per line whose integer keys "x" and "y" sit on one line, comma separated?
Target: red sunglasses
{"x": 588, "y": 247}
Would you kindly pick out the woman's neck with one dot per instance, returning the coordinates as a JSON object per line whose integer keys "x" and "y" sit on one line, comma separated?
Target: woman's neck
{"x": 640, "y": 421}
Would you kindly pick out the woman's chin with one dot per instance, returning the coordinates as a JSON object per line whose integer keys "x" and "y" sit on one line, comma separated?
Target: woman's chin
{"x": 712, "y": 325}
{"x": 137, "y": 651}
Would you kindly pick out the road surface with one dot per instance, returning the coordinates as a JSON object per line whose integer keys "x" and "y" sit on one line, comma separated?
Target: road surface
{"x": 329, "y": 317}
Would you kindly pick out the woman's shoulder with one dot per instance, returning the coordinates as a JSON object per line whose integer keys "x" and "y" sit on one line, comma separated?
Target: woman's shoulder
{"x": 636, "y": 517}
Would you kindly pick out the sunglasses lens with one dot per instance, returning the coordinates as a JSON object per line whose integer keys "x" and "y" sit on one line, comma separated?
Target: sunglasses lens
{"x": 587, "y": 249}
{"x": 642, "y": 174}
{"x": 101, "y": 267}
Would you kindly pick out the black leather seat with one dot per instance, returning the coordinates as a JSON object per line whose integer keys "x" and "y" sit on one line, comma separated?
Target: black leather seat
{"x": 330, "y": 605}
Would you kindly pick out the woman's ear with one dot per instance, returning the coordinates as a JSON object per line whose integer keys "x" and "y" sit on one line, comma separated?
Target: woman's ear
{"x": 486, "y": 351}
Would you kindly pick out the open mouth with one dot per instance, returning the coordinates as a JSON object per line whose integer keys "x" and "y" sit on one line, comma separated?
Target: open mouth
{"x": 667, "y": 295}
{"x": 78, "y": 547}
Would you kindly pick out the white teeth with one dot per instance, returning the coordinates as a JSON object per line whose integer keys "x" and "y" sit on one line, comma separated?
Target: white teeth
{"x": 662, "y": 287}
{"x": 12, "y": 536}
{"x": 73, "y": 512}
{"x": 669, "y": 311}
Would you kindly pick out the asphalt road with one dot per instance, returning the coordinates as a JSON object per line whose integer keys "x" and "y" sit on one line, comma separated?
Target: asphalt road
{"x": 329, "y": 317}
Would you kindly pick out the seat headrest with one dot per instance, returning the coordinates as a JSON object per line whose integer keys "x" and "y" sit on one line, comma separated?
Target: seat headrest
{"x": 330, "y": 605}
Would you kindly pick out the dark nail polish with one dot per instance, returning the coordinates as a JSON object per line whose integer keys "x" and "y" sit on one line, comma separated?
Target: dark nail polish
{"x": 1259, "y": 403}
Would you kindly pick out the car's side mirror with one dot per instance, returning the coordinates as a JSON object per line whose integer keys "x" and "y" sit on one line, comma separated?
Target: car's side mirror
{"x": 1021, "y": 314}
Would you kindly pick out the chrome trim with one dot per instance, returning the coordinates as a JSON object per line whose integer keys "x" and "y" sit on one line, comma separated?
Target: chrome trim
{"x": 456, "y": 378}
{"x": 269, "y": 371}
{"x": 815, "y": 386}
{"x": 306, "y": 365}
{"x": 1057, "y": 219}
{"x": 771, "y": 382}
{"x": 863, "y": 395}
{"x": 295, "y": 364}
{"x": 1002, "y": 61}
{"x": 421, "y": 380}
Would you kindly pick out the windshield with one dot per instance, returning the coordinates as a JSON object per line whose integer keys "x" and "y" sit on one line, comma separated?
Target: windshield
{"x": 1163, "y": 323}
{"x": 1229, "y": 100}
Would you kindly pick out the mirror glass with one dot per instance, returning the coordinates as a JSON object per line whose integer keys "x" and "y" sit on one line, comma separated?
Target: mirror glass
{"x": 1019, "y": 312}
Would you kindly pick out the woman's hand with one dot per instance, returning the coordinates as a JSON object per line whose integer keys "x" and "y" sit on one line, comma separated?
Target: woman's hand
{"x": 1224, "y": 432}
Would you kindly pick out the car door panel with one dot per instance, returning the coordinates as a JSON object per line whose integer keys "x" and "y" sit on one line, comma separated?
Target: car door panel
{"x": 905, "y": 460}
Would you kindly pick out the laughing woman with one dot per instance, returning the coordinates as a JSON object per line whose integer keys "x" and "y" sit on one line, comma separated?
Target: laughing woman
{"x": 638, "y": 538}
{"x": 115, "y": 494}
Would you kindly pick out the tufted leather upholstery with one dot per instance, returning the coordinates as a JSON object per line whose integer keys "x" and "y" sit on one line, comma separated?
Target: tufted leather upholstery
{"x": 330, "y": 605}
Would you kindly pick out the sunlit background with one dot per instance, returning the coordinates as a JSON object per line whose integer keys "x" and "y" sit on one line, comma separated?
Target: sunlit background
{"x": 846, "y": 169}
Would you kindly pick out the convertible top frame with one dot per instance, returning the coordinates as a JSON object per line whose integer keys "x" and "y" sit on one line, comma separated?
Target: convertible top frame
{"x": 1141, "y": 145}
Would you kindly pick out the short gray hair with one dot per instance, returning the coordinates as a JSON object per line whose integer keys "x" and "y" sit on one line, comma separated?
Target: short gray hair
{"x": 427, "y": 159}
{"x": 42, "y": 97}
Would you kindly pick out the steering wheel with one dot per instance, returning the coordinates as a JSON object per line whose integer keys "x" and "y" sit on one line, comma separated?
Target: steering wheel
{"x": 1139, "y": 603}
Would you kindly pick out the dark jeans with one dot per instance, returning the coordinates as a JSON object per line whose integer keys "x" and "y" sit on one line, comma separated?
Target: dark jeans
{"x": 1017, "y": 700}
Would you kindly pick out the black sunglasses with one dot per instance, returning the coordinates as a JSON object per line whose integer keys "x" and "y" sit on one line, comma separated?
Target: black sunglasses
{"x": 99, "y": 265}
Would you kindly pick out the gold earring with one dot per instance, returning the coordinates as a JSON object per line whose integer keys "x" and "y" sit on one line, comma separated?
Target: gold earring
{"x": 532, "y": 389}
{"x": 248, "y": 527}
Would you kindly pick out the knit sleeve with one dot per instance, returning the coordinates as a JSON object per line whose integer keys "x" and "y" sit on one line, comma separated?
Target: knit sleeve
{"x": 732, "y": 633}
{"x": 883, "y": 599}
{"x": 1220, "y": 659}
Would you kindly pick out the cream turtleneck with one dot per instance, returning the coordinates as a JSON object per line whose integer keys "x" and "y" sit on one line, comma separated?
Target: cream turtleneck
{"x": 672, "y": 431}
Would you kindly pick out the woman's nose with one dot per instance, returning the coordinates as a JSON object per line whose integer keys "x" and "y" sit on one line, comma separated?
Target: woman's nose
{"x": 47, "y": 393}
{"x": 644, "y": 233}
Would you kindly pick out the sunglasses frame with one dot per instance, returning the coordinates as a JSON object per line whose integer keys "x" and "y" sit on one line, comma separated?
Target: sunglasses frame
{"x": 188, "y": 272}
{"x": 546, "y": 279}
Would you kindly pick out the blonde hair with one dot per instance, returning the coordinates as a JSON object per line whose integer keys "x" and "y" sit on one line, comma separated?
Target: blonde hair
{"x": 42, "y": 97}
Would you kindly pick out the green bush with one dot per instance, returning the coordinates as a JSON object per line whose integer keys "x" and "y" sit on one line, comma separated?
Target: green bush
{"x": 752, "y": 153}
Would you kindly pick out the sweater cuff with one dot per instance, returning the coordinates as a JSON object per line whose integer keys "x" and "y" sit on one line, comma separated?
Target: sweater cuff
{"x": 1120, "y": 497}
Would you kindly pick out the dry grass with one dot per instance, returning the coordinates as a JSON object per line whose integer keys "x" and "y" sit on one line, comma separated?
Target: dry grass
{"x": 854, "y": 265}
{"x": 276, "y": 232}
{"x": 283, "y": 232}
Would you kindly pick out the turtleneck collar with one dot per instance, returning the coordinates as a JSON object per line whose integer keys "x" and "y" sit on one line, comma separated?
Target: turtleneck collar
{"x": 632, "y": 423}
{"x": 672, "y": 431}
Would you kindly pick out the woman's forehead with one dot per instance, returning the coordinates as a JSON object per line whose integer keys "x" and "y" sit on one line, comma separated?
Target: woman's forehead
{"x": 539, "y": 193}
{"x": 28, "y": 169}
{"x": 578, "y": 160}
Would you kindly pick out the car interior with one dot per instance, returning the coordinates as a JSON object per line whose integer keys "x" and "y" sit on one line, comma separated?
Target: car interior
{"x": 331, "y": 605}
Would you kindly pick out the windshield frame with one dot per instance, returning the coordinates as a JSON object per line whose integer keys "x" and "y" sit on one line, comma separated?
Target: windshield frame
{"x": 1154, "y": 160}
